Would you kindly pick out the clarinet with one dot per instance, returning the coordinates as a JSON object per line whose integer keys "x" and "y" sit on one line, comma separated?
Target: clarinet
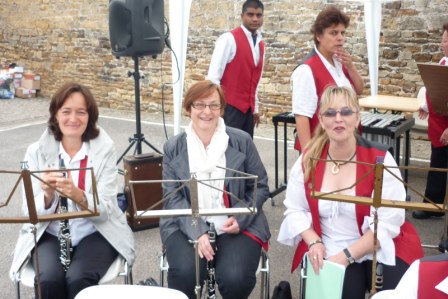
{"x": 64, "y": 229}
{"x": 379, "y": 277}
{"x": 211, "y": 264}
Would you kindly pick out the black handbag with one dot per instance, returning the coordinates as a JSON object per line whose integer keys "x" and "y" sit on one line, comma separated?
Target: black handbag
{"x": 282, "y": 291}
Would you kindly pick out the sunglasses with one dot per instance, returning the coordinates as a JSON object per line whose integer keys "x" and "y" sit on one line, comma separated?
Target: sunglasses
{"x": 346, "y": 111}
{"x": 202, "y": 106}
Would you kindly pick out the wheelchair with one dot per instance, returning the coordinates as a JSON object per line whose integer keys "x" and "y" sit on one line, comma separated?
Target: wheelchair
{"x": 263, "y": 270}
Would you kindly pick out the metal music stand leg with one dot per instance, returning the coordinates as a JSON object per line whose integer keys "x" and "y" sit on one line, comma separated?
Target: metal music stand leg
{"x": 138, "y": 136}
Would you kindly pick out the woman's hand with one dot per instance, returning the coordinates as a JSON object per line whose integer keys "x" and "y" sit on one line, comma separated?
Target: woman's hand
{"x": 422, "y": 114}
{"x": 50, "y": 179}
{"x": 67, "y": 187}
{"x": 204, "y": 248}
{"x": 345, "y": 58}
{"x": 231, "y": 226}
{"x": 316, "y": 254}
{"x": 339, "y": 258}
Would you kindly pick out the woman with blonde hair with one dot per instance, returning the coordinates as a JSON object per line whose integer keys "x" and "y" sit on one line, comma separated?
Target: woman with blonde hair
{"x": 343, "y": 232}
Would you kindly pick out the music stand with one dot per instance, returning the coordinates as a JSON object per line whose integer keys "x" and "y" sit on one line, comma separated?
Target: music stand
{"x": 377, "y": 200}
{"x": 33, "y": 218}
{"x": 435, "y": 78}
{"x": 138, "y": 136}
{"x": 195, "y": 212}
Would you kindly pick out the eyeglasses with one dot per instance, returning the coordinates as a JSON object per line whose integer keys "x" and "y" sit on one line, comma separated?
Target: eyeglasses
{"x": 346, "y": 111}
{"x": 202, "y": 106}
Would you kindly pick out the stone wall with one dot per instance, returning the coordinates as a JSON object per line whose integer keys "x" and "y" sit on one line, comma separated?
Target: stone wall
{"x": 69, "y": 40}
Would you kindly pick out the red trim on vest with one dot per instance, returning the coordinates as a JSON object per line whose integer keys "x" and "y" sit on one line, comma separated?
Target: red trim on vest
{"x": 408, "y": 237}
{"x": 82, "y": 174}
{"x": 322, "y": 80}
{"x": 430, "y": 274}
{"x": 255, "y": 238}
{"x": 241, "y": 76}
{"x": 437, "y": 123}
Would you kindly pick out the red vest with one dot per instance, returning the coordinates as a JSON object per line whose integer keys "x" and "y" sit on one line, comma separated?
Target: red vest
{"x": 430, "y": 274}
{"x": 241, "y": 77}
{"x": 436, "y": 123}
{"x": 407, "y": 243}
{"x": 322, "y": 79}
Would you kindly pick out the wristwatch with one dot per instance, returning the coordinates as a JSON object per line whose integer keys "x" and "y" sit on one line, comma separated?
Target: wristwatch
{"x": 350, "y": 258}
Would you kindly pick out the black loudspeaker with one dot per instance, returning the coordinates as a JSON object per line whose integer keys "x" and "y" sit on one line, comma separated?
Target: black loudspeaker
{"x": 136, "y": 27}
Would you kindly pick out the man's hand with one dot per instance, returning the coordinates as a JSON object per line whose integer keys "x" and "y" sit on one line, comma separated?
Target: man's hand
{"x": 256, "y": 119}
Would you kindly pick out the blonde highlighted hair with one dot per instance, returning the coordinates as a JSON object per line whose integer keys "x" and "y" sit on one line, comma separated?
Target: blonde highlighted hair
{"x": 315, "y": 146}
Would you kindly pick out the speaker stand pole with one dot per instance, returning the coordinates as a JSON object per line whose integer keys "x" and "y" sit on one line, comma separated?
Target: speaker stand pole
{"x": 138, "y": 136}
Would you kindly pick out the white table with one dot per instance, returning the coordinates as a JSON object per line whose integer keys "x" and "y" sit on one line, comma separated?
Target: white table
{"x": 117, "y": 291}
{"x": 403, "y": 104}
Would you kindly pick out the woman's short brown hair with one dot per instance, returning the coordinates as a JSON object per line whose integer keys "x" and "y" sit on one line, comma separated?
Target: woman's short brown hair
{"x": 326, "y": 18}
{"x": 203, "y": 89}
{"x": 58, "y": 100}
{"x": 445, "y": 27}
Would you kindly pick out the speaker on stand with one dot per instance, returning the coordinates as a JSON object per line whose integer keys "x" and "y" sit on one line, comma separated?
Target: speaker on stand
{"x": 136, "y": 29}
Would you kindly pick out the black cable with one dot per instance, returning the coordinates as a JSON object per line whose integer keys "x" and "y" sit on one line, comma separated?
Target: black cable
{"x": 168, "y": 44}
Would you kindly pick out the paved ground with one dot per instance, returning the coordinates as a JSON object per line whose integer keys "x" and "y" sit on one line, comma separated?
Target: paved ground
{"x": 22, "y": 122}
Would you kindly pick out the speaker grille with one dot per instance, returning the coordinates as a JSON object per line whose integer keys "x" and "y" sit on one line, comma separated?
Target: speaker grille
{"x": 136, "y": 27}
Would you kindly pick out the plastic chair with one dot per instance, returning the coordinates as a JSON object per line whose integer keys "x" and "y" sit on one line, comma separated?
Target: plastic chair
{"x": 118, "y": 268}
{"x": 263, "y": 268}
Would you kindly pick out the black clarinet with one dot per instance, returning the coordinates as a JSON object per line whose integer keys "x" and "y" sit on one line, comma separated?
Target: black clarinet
{"x": 379, "y": 277}
{"x": 64, "y": 229}
{"x": 211, "y": 264}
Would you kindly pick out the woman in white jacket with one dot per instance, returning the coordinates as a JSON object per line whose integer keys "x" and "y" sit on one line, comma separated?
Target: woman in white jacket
{"x": 73, "y": 137}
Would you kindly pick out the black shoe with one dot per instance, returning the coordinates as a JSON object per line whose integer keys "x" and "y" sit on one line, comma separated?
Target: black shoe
{"x": 426, "y": 215}
{"x": 443, "y": 245}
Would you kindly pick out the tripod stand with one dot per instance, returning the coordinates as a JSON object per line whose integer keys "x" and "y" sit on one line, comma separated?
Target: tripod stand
{"x": 138, "y": 136}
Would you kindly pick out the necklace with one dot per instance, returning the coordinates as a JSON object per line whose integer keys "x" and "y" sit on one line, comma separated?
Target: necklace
{"x": 337, "y": 165}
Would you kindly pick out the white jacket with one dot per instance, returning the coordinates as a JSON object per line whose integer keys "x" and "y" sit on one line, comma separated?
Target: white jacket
{"x": 111, "y": 222}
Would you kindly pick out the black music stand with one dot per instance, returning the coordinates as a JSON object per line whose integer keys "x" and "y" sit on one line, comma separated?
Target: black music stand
{"x": 138, "y": 136}
{"x": 33, "y": 218}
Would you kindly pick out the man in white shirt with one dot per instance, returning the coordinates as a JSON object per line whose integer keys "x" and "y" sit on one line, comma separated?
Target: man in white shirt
{"x": 237, "y": 64}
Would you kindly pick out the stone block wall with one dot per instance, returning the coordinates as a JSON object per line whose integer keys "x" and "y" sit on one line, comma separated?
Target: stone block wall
{"x": 69, "y": 40}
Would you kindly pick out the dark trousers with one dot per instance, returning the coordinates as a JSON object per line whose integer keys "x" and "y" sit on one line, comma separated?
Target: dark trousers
{"x": 358, "y": 278}
{"x": 436, "y": 181}
{"x": 236, "y": 119}
{"x": 236, "y": 262}
{"x": 90, "y": 261}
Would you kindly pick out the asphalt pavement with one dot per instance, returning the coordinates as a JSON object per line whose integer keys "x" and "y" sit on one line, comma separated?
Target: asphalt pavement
{"x": 22, "y": 122}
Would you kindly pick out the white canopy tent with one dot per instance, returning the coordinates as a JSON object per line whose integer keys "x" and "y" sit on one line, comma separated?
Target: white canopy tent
{"x": 179, "y": 19}
{"x": 372, "y": 21}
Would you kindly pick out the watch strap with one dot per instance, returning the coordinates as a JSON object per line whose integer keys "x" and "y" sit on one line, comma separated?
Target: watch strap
{"x": 350, "y": 258}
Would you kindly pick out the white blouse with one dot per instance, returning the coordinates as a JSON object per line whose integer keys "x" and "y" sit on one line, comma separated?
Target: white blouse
{"x": 338, "y": 220}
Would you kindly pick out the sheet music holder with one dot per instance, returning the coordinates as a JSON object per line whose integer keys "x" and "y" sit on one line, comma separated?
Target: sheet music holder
{"x": 435, "y": 78}
{"x": 378, "y": 201}
{"x": 25, "y": 176}
{"x": 195, "y": 212}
